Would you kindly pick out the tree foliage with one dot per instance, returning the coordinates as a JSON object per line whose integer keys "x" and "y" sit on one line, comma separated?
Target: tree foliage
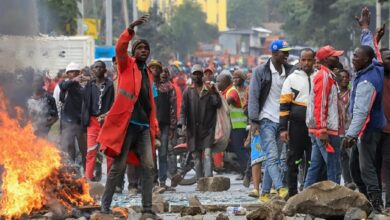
{"x": 155, "y": 33}
{"x": 252, "y": 13}
{"x": 321, "y": 22}
{"x": 58, "y": 16}
{"x": 188, "y": 27}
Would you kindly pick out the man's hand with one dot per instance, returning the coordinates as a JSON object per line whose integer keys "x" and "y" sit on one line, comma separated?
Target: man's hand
{"x": 324, "y": 139}
{"x": 284, "y": 136}
{"x": 143, "y": 19}
{"x": 364, "y": 19}
{"x": 379, "y": 33}
{"x": 254, "y": 127}
{"x": 348, "y": 142}
{"x": 78, "y": 78}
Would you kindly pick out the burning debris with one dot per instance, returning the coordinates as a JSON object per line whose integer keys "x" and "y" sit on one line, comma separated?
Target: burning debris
{"x": 36, "y": 179}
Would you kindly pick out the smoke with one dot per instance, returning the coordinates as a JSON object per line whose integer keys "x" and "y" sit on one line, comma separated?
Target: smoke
{"x": 19, "y": 17}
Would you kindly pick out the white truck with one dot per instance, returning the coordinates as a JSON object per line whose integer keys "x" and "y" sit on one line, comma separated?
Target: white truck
{"x": 45, "y": 52}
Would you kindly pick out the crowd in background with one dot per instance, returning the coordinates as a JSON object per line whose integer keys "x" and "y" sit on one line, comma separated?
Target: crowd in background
{"x": 291, "y": 126}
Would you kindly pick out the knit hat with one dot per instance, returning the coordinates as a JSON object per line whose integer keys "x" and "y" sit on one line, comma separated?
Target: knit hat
{"x": 240, "y": 74}
{"x": 72, "y": 67}
{"x": 196, "y": 68}
{"x": 138, "y": 42}
{"x": 155, "y": 63}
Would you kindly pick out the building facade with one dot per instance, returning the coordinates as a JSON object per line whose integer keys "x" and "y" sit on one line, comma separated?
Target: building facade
{"x": 216, "y": 10}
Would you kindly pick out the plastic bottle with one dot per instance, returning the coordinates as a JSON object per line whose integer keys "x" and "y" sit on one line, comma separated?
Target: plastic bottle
{"x": 236, "y": 210}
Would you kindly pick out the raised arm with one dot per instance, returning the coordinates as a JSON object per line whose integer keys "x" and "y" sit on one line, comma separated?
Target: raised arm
{"x": 123, "y": 43}
{"x": 367, "y": 38}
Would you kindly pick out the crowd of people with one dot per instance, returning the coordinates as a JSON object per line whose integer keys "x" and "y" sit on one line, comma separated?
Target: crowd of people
{"x": 290, "y": 125}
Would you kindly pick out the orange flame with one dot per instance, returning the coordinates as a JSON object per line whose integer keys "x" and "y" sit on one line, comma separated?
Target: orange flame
{"x": 29, "y": 162}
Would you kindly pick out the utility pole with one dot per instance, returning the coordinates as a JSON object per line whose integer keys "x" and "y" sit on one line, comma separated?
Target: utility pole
{"x": 378, "y": 14}
{"x": 108, "y": 22}
{"x": 80, "y": 23}
{"x": 125, "y": 12}
{"x": 135, "y": 10}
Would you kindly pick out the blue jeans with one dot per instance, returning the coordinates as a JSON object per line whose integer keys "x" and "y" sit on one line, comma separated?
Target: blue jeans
{"x": 272, "y": 146}
{"x": 320, "y": 157}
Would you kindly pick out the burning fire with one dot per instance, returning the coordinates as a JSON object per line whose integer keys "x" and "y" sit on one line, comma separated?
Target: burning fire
{"x": 33, "y": 173}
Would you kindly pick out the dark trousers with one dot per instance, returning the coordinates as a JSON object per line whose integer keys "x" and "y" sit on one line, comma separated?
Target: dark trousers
{"x": 137, "y": 139}
{"x": 163, "y": 153}
{"x": 238, "y": 137}
{"x": 172, "y": 160}
{"x": 298, "y": 152}
{"x": 345, "y": 155}
{"x": 69, "y": 133}
{"x": 133, "y": 176}
{"x": 385, "y": 166}
{"x": 363, "y": 163}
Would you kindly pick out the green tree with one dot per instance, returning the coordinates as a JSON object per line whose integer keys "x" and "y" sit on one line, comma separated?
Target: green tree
{"x": 58, "y": 16}
{"x": 188, "y": 27}
{"x": 252, "y": 13}
{"x": 155, "y": 33}
{"x": 321, "y": 22}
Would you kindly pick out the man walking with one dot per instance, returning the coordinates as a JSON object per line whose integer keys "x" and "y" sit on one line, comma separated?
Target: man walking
{"x": 130, "y": 125}
{"x": 98, "y": 98}
{"x": 199, "y": 116}
{"x": 264, "y": 95}
{"x": 293, "y": 129}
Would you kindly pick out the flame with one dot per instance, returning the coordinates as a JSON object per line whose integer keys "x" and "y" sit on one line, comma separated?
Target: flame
{"x": 33, "y": 170}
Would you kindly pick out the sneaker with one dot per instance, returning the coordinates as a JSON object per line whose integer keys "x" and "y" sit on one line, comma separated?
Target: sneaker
{"x": 273, "y": 191}
{"x": 133, "y": 192}
{"x": 254, "y": 193}
{"x": 246, "y": 182}
{"x": 240, "y": 177}
{"x": 150, "y": 215}
{"x": 265, "y": 197}
{"x": 118, "y": 189}
{"x": 387, "y": 211}
{"x": 159, "y": 189}
{"x": 283, "y": 192}
{"x": 351, "y": 186}
{"x": 176, "y": 180}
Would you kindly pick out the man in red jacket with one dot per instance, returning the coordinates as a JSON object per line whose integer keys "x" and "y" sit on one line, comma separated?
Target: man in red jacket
{"x": 130, "y": 125}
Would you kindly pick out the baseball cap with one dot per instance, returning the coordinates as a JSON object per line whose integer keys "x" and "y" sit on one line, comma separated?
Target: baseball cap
{"x": 328, "y": 51}
{"x": 279, "y": 45}
{"x": 196, "y": 68}
{"x": 72, "y": 67}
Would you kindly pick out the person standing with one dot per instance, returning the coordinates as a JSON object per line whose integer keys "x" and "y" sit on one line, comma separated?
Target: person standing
{"x": 293, "y": 129}
{"x": 42, "y": 110}
{"x": 263, "y": 109}
{"x": 343, "y": 79}
{"x": 367, "y": 117}
{"x": 166, "y": 116}
{"x": 238, "y": 120}
{"x": 367, "y": 122}
{"x": 198, "y": 117}
{"x": 385, "y": 140}
{"x": 98, "y": 98}
{"x": 322, "y": 119}
{"x": 130, "y": 126}
{"x": 71, "y": 96}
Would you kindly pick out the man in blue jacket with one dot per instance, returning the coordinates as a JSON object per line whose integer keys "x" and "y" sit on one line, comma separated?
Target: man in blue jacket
{"x": 367, "y": 117}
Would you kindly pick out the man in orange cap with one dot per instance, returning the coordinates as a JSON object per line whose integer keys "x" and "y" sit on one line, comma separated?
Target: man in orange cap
{"x": 322, "y": 118}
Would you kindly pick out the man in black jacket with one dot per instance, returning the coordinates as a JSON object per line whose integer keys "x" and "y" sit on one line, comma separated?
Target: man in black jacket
{"x": 71, "y": 97}
{"x": 264, "y": 93}
{"x": 99, "y": 95}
